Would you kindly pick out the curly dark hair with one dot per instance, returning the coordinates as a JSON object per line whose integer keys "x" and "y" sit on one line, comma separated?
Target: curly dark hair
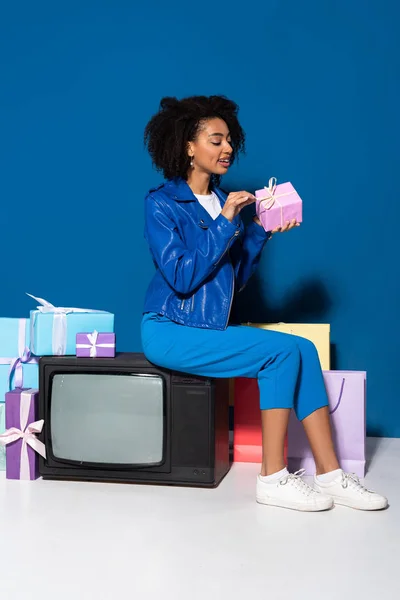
{"x": 178, "y": 122}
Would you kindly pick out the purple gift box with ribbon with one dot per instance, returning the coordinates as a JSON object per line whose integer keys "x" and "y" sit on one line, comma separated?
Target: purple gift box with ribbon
{"x": 277, "y": 204}
{"x": 95, "y": 345}
{"x": 22, "y": 445}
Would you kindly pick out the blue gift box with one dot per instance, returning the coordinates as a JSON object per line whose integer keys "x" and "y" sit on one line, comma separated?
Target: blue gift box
{"x": 54, "y": 329}
{"x": 30, "y": 374}
{"x": 14, "y": 336}
{"x": 14, "y": 344}
{"x": 2, "y": 430}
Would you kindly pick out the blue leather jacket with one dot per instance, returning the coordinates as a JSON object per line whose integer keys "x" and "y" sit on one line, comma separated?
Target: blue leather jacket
{"x": 200, "y": 262}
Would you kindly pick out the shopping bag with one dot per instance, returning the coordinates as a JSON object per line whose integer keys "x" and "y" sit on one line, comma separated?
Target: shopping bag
{"x": 347, "y": 406}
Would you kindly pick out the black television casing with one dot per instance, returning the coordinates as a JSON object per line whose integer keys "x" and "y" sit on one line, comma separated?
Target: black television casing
{"x": 196, "y": 425}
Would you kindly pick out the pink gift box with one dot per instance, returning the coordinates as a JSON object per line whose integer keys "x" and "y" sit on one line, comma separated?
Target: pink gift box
{"x": 277, "y": 204}
{"x": 95, "y": 345}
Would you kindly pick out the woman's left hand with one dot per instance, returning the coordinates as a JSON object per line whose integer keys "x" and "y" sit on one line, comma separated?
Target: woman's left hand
{"x": 286, "y": 227}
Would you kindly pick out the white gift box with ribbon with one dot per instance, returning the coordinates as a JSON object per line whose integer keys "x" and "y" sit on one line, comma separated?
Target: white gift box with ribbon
{"x": 54, "y": 328}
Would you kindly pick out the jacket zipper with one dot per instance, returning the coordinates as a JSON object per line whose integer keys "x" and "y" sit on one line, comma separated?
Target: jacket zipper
{"x": 233, "y": 277}
{"x": 191, "y": 304}
{"x": 233, "y": 291}
{"x": 227, "y": 248}
{"x": 233, "y": 281}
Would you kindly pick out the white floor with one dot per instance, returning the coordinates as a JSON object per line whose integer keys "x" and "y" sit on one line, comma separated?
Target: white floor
{"x": 74, "y": 541}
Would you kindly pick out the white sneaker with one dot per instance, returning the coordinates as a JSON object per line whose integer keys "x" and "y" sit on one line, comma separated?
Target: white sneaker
{"x": 292, "y": 492}
{"x": 347, "y": 490}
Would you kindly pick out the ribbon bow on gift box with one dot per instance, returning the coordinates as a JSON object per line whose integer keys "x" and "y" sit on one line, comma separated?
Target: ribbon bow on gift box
{"x": 26, "y": 433}
{"x": 59, "y": 337}
{"x": 93, "y": 345}
{"x": 269, "y": 201}
{"x": 24, "y": 357}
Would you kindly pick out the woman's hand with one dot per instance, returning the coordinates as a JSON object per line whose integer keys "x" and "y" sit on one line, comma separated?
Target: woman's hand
{"x": 235, "y": 202}
{"x": 286, "y": 227}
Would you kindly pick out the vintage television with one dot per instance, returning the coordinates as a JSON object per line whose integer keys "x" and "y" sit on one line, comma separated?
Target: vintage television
{"x": 124, "y": 419}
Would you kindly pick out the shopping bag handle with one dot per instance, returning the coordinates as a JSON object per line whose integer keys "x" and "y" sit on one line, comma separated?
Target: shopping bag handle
{"x": 340, "y": 398}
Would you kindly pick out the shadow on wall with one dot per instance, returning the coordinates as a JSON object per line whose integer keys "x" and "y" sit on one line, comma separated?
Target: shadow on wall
{"x": 308, "y": 303}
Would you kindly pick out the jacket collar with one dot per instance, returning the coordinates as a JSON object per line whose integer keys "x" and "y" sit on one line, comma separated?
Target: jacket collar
{"x": 180, "y": 191}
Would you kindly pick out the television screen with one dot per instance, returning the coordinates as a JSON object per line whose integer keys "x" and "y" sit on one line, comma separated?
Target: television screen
{"x": 111, "y": 418}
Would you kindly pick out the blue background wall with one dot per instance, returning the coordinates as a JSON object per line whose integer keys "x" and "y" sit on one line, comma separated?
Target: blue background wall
{"x": 318, "y": 87}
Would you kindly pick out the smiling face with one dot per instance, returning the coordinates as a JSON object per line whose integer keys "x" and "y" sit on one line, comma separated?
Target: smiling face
{"x": 211, "y": 152}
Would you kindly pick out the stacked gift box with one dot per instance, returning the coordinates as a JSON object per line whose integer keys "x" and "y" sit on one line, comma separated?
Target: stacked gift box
{"x": 18, "y": 367}
{"x": 50, "y": 331}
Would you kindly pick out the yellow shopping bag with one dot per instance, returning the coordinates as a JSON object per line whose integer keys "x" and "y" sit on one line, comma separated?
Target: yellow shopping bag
{"x": 318, "y": 333}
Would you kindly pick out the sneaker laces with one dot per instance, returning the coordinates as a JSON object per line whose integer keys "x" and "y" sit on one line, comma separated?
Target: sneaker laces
{"x": 351, "y": 479}
{"x": 295, "y": 479}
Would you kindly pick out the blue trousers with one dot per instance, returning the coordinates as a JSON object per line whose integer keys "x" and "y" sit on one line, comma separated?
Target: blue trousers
{"x": 286, "y": 366}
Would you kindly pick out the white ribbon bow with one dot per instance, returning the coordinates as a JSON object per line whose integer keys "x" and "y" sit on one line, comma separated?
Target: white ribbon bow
{"x": 59, "y": 337}
{"x": 27, "y": 433}
{"x": 93, "y": 345}
{"x": 269, "y": 201}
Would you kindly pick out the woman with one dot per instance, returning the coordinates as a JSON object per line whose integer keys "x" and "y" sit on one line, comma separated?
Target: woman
{"x": 203, "y": 256}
